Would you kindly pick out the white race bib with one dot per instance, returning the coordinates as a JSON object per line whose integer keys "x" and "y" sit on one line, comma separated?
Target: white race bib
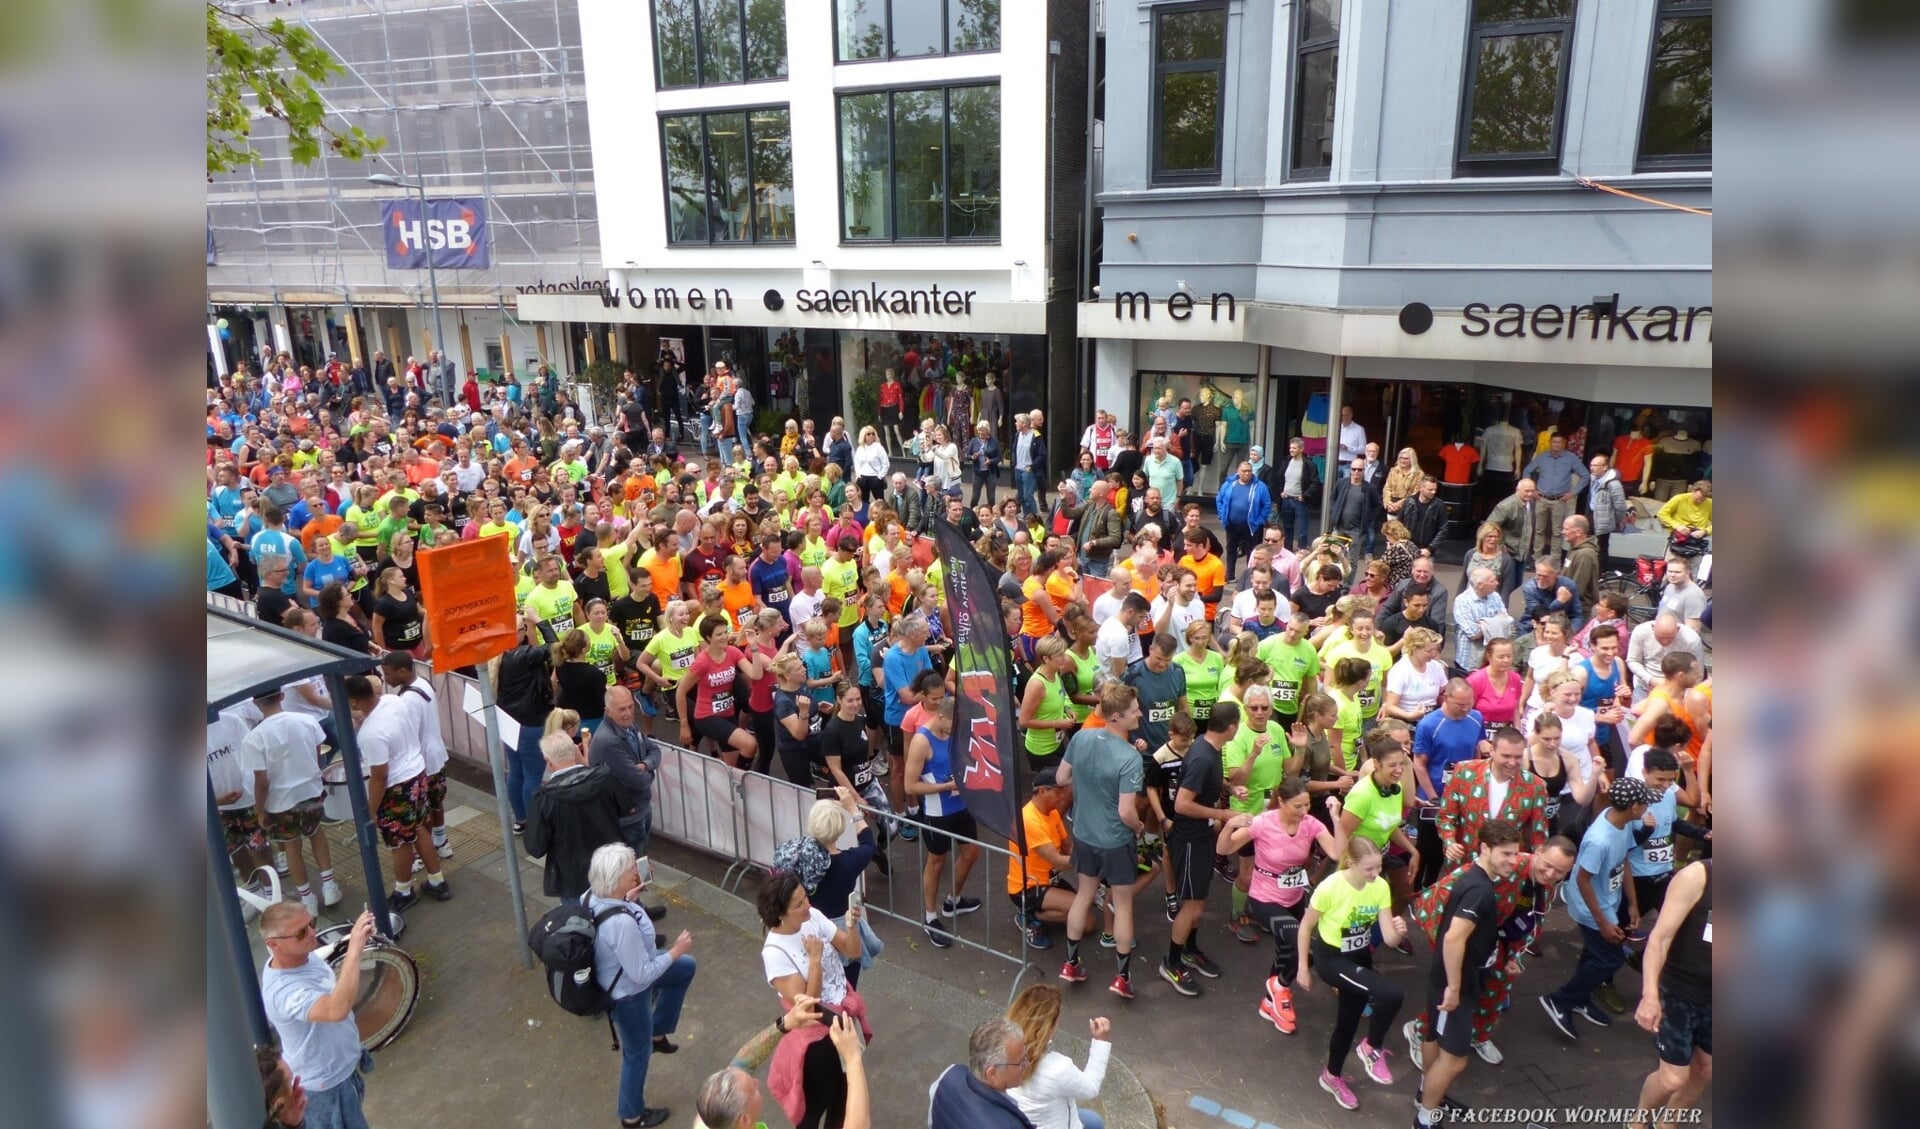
{"x": 1293, "y": 878}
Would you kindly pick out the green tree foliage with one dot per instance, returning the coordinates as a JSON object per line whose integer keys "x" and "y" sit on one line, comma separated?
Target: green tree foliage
{"x": 277, "y": 68}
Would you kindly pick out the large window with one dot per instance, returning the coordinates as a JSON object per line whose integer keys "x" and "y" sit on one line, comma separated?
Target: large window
{"x": 921, "y": 165}
{"x": 729, "y": 176}
{"x": 1516, "y": 86}
{"x": 1316, "y": 64}
{"x": 1189, "y": 74}
{"x": 1676, "y": 130}
{"x": 899, "y": 29}
{"x": 715, "y": 42}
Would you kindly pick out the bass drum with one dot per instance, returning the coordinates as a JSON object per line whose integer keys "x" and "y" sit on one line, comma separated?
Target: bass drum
{"x": 389, "y": 985}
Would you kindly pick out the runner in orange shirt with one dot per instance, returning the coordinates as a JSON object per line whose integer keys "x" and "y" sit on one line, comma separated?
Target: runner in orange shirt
{"x": 736, "y": 593}
{"x": 1209, "y": 571}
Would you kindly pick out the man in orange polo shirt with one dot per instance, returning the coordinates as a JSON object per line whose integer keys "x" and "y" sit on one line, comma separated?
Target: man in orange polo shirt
{"x": 1209, "y": 571}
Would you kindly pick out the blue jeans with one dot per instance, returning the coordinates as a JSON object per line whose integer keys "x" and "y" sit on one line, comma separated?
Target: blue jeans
{"x": 1027, "y": 484}
{"x": 525, "y": 768}
{"x": 1296, "y": 519}
{"x": 339, "y": 1106}
{"x": 1597, "y": 964}
{"x": 706, "y": 430}
{"x": 639, "y": 1018}
{"x": 1096, "y": 565}
{"x": 1091, "y": 1120}
{"x": 743, "y": 425}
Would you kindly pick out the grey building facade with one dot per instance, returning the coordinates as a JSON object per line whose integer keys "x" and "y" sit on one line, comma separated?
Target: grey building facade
{"x": 1403, "y": 208}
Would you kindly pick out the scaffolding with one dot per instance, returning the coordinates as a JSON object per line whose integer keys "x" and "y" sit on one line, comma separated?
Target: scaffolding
{"x": 482, "y": 98}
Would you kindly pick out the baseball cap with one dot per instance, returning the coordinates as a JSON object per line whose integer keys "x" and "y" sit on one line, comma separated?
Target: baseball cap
{"x": 1626, "y": 792}
{"x": 1047, "y": 777}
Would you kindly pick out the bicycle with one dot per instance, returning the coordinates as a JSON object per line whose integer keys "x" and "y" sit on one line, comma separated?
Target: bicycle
{"x": 1647, "y": 583}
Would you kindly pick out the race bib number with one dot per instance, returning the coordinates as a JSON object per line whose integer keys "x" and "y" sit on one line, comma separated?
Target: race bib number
{"x": 1202, "y": 709}
{"x": 813, "y": 721}
{"x": 681, "y": 660}
{"x": 1369, "y": 700}
{"x": 863, "y": 777}
{"x": 411, "y": 634}
{"x": 639, "y": 635}
{"x": 1286, "y": 693}
{"x": 779, "y": 595}
{"x": 722, "y": 705}
{"x": 1160, "y": 714}
{"x": 1553, "y": 808}
{"x": 1706, "y": 932}
{"x": 1614, "y": 879}
{"x": 1356, "y": 938}
{"x": 1293, "y": 878}
{"x": 1659, "y": 852}
{"x": 562, "y": 624}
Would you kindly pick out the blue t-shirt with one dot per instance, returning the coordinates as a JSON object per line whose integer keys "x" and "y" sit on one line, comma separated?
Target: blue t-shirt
{"x": 320, "y": 573}
{"x": 219, "y": 574}
{"x": 1654, "y": 856}
{"x": 819, "y": 662}
{"x": 276, "y": 542}
{"x": 900, "y": 667}
{"x": 225, "y": 502}
{"x": 772, "y": 583}
{"x": 865, "y": 638}
{"x": 1603, "y": 855}
{"x": 1446, "y": 742}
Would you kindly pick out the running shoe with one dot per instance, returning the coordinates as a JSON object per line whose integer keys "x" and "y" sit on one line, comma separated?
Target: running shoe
{"x": 1226, "y": 867}
{"x": 954, "y": 907}
{"x": 1558, "y": 1016}
{"x": 1450, "y": 1110}
{"x": 401, "y": 899}
{"x": 1037, "y": 937}
{"x": 1243, "y": 929}
{"x": 1594, "y": 1015}
{"x": 444, "y": 846}
{"x": 1073, "y": 973}
{"x": 1122, "y": 986}
{"x": 1108, "y": 941}
{"x": 1338, "y": 1087}
{"x": 1375, "y": 1059}
{"x": 330, "y": 893}
{"x": 311, "y": 903}
{"x": 1489, "y": 1053}
{"x": 280, "y": 862}
{"x": 1411, "y": 1029}
{"x": 439, "y": 891}
{"x": 909, "y": 833}
{"x": 1201, "y": 963}
{"x": 1173, "y": 906}
{"x": 1277, "y": 1006}
{"x": 940, "y": 937}
{"x": 419, "y": 864}
{"x": 519, "y": 827}
{"x": 1182, "y": 980}
{"x": 1607, "y": 996}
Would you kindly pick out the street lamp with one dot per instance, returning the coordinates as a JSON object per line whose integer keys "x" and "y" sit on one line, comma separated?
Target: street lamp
{"x": 386, "y": 180}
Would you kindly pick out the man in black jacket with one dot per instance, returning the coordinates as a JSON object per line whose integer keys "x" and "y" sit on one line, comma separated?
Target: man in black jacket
{"x": 525, "y": 693}
{"x": 1425, "y": 515}
{"x": 575, "y": 813}
{"x": 624, "y": 749}
{"x": 1356, "y": 505}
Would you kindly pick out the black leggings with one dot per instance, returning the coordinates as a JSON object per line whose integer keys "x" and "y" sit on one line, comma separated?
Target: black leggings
{"x": 1284, "y": 923}
{"x": 824, "y": 1086}
{"x": 761, "y": 725}
{"x": 1433, "y": 855}
{"x": 1353, "y": 975}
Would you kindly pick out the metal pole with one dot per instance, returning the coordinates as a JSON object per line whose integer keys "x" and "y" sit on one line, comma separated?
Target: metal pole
{"x": 1336, "y": 395}
{"x": 235, "y": 1098}
{"x": 497, "y": 760}
{"x": 231, "y": 924}
{"x": 433, "y": 285}
{"x": 357, "y": 796}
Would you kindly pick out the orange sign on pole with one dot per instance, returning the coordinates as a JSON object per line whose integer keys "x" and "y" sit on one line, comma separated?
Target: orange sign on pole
{"x": 467, "y": 593}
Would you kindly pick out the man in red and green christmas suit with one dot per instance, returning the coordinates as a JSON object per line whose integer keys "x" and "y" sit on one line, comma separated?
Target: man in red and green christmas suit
{"x": 1493, "y": 788}
{"x": 1524, "y": 900}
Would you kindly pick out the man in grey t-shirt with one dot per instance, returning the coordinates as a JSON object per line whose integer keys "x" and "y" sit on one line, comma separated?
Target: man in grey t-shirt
{"x": 1107, "y": 776}
{"x": 312, "y": 1011}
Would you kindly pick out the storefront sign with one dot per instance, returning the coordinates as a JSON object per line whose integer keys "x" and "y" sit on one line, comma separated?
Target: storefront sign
{"x": 574, "y": 285}
{"x": 1668, "y": 324}
{"x": 873, "y": 300}
{"x": 1179, "y": 305}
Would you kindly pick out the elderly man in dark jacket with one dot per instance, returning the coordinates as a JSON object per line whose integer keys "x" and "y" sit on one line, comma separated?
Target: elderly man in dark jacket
{"x": 1356, "y": 504}
{"x": 621, "y": 747}
{"x": 974, "y": 1096}
{"x": 1100, "y": 527}
{"x": 575, "y": 813}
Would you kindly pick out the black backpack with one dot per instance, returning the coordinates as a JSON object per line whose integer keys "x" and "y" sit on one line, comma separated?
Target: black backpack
{"x": 563, "y": 941}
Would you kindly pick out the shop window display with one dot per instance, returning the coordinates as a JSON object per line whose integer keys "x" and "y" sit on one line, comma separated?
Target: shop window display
{"x": 1224, "y": 420}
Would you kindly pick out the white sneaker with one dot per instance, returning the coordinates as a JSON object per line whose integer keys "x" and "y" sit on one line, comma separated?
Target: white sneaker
{"x": 280, "y": 862}
{"x": 1488, "y": 1052}
{"x": 441, "y": 845}
{"x": 1410, "y": 1030}
{"x": 312, "y": 903}
{"x": 418, "y": 865}
{"x": 330, "y": 892}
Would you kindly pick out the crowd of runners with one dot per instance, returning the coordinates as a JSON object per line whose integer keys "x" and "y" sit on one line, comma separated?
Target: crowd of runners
{"x": 1354, "y": 750}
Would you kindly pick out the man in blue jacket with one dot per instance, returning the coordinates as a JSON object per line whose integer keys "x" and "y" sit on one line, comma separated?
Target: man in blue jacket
{"x": 1244, "y": 505}
{"x": 974, "y": 1096}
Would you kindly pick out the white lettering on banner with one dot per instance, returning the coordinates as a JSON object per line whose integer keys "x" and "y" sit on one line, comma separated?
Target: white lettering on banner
{"x": 441, "y": 234}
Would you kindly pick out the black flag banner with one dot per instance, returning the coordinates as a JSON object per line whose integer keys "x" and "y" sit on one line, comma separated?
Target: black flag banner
{"x": 985, "y": 759}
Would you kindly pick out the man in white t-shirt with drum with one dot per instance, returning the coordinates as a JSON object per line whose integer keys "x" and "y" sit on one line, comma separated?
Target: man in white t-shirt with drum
{"x": 396, "y": 787}
{"x": 283, "y": 756}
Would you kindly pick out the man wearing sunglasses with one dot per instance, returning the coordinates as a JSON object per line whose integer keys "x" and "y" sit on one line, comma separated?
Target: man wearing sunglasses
{"x": 312, "y": 1011}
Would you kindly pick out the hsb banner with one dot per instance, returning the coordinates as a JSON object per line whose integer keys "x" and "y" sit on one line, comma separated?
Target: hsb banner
{"x": 455, "y": 234}
{"x": 986, "y": 762}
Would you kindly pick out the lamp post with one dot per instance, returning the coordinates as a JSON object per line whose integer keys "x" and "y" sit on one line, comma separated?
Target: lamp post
{"x": 433, "y": 280}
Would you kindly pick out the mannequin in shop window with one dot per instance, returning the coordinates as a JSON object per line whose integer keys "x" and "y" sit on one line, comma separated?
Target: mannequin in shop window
{"x": 1209, "y": 431}
{"x": 1675, "y": 461}
{"x": 1236, "y": 427}
{"x": 993, "y": 406}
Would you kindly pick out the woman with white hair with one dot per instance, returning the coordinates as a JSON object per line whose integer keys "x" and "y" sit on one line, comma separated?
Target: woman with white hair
{"x": 833, "y": 889}
{"x": 647, "y": 986}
